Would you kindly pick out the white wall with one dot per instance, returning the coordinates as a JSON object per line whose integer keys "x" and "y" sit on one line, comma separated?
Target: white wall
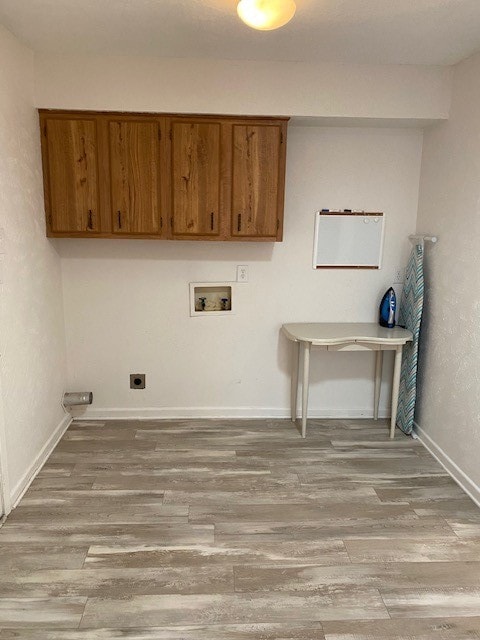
{"x": 33, "y": 365}
{"x": 245, "y": 87}
{"x": 449, "y": 206}
{"x": 126, "y": 301}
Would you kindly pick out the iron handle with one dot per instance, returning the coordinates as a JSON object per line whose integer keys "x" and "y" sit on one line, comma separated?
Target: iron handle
{"x": 212, "y": 220}
{"x": 119, "y": 219}
{"x": 90, "y": 219}
{"x": 239, "y": 222}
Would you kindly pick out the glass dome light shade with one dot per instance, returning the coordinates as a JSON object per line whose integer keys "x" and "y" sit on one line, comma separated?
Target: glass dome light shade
{"x": 266, "y": 15}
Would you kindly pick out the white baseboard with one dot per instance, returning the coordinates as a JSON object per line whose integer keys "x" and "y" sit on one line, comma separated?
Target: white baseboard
{"x": 460, "y": 477}
{"x": 28, "y": 477}
{"x": 180, "y": 413}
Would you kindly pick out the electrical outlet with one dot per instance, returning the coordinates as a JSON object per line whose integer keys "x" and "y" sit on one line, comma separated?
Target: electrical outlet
{"x": 137, "y": 381}
{"x": 242, "y": 273}
{"x": 399, "y": 275}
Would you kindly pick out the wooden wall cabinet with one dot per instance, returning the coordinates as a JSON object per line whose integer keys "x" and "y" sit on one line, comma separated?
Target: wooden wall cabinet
{"x": 70, "y": 151}
{"x": 164, "y": 176}
{"x": 197, "y": 166}
{"x": 135, "y": 183}
{"x": 257, "y": 184}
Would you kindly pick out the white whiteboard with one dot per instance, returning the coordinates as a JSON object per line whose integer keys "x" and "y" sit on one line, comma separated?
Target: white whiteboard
{"x": 352, "y": 240}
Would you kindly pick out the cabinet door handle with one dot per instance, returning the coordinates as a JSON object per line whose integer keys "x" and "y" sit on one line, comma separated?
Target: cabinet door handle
{"x": 239, "y": 222}
{"x": 90, "y": 219}
{"x": 119, "y": 219}
{"x": 212, "y": 220}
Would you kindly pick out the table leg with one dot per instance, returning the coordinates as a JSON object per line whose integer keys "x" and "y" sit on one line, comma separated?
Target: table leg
{"x": 395, "y": 388}
{"x": 378, "y": 382}
{"x": 294, "y": 382}
{"x": 305, "y": 383}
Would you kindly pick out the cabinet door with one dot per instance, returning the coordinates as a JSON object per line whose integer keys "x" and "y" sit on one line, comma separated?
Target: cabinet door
{"x": 71, "y": 177}
{"x": 135, "y": 176}
{"x": 256, "y": 180}
{"x": 196, "y": 178}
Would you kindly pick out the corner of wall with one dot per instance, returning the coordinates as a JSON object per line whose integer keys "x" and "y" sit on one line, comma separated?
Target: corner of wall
{"x": 33, "y": 364}
{"x": 460, "y": 477}
{"x": 29, "y": 475}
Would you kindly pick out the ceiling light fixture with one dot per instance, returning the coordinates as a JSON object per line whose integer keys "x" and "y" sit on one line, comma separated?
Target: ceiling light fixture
{"x": 266, "y": 15}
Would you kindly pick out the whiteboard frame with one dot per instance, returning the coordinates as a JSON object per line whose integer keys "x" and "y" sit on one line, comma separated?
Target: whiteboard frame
{"x": 376, "y": 214}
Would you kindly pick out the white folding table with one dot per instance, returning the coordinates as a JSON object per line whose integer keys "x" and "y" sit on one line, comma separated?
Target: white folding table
{"x": 345, "y": 337}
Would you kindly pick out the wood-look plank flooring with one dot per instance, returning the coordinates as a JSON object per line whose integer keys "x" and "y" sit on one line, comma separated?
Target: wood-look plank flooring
{"x": 240, "y": 530}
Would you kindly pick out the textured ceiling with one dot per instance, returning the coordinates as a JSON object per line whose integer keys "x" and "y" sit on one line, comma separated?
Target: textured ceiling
{"x": 341, "y": 31}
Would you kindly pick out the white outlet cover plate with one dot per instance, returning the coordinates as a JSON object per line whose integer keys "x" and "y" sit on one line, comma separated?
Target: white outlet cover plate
{"x": 242, "y": 273}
